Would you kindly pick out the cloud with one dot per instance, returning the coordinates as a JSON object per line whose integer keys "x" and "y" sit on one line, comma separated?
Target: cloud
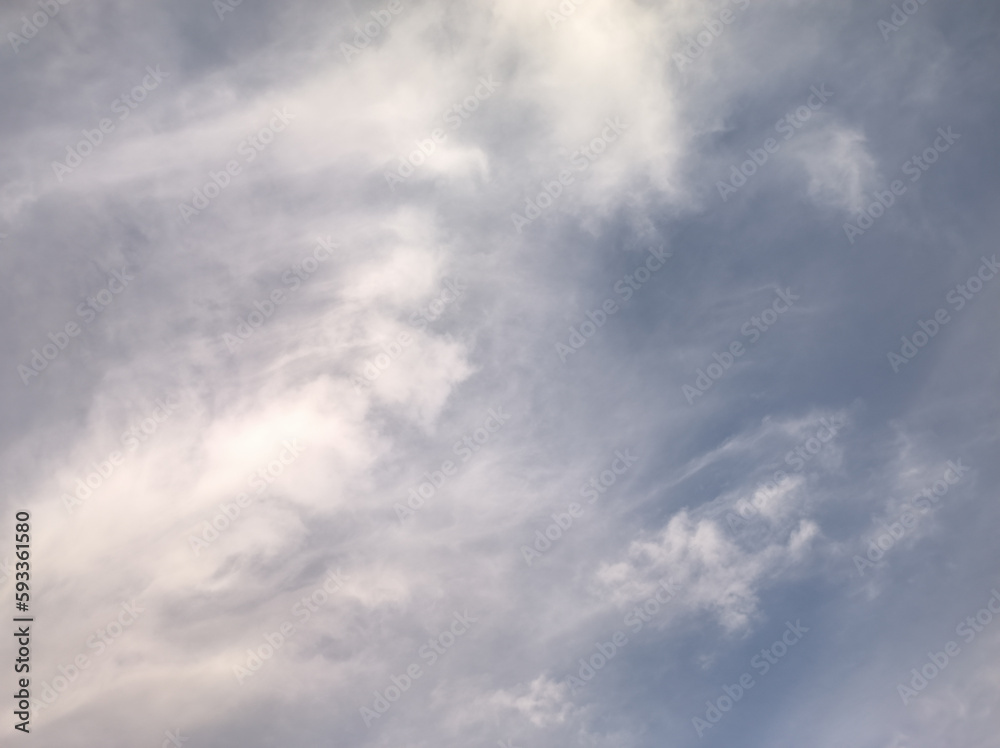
{"x": 318, "y": 391}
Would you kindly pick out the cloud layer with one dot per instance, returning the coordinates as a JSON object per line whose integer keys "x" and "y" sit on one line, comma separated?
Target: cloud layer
{"x": 375, "y": 370}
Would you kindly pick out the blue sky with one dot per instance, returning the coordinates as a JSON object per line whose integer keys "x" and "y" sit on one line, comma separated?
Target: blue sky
{"x": 437, "y": 373}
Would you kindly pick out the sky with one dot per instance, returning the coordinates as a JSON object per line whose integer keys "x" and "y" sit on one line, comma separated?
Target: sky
{"x": 418, "y": 373}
